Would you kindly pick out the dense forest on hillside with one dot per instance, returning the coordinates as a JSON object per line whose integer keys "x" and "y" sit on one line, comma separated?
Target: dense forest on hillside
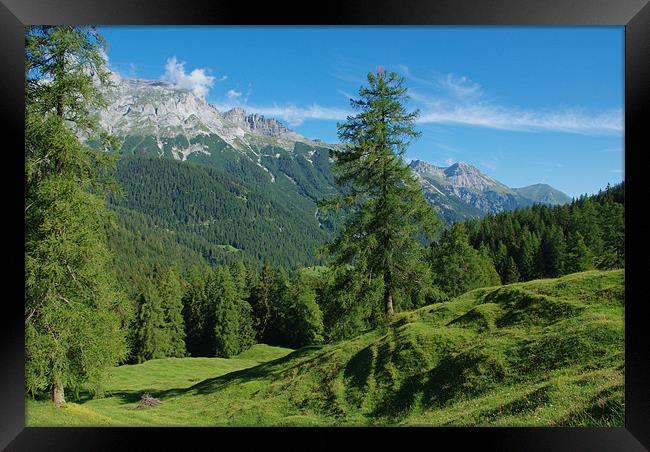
{"x": 542, "y": 241}
{"x": 182, "y": 213}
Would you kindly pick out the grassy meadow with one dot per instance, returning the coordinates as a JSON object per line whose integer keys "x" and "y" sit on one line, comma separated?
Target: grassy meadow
{"x": 541, "y": 353}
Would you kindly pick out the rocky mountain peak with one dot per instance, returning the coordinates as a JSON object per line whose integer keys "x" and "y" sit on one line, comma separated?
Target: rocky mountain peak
{"x": 236, "y": 115}
{"x": 422, "y": 167}
{"x": 460, "y": 174}
{"x": 164, "y": 111}
{"x": 260, "y": 125}
{"x": 461, "y": 168}
{"x": 266, "y": 126}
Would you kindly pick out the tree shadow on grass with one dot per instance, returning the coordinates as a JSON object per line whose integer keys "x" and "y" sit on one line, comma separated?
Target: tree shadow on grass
{"x": 206, "y": 386}
{"x": 260, "y": 371}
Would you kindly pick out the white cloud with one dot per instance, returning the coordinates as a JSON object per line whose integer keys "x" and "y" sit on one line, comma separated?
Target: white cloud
{"x": 197, "y": 81}
{"x": 232, "y": 94}
{"x": 459, "y": 86}
{"x": 515, "y": 119}
{"x": 452, "y": 99}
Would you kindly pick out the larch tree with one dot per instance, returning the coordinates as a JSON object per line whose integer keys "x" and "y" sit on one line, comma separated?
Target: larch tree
{"x": 75, "y": 318}
{"x": 388, "y": 215}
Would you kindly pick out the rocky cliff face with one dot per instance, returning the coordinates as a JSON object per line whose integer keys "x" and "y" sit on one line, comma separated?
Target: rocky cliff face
{"x": 158, "y": 109}
{"x": 259, "y": 125}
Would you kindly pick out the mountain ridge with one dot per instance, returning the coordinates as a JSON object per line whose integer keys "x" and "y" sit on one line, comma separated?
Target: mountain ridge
{"x": 157, "y": 119}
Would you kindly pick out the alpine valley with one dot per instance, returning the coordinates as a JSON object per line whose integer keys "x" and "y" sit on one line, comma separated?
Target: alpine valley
{"x": 206, "y": 186}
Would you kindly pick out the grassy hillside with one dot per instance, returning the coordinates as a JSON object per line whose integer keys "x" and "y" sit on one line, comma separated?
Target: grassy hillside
{"x": 545, "y": 352}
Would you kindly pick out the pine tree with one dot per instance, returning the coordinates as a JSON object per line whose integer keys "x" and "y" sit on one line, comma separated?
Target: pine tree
{"x": 304, "y": 319}
{"x": 226, "y": 314}
{"x": 198, "y": 331}
{"x": 246, "y": 328}
{"x": 240, "y": 278}
{"x": 75, "y": 318}
{"x": 387, "y": 211}
{"x": 261, "y": 299}
{"x": 578, "y": 255}
{"x": 511, "y": 273}
{"x": 150, "y": 340}
{"x": 612, "y": 219}
{"x": 553, "y": 251}
{"x": 526, "y": 256}
{"x": 457, "y": 267}
{"x": 171, "y": 293}
{"x": 278, "y": 328}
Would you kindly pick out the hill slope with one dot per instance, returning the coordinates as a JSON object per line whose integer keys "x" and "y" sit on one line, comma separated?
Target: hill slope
{"x": 545, "y": 352}
{"x": 543, "y": 194}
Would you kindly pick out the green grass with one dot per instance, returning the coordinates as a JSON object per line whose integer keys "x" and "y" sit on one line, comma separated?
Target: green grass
{"x": 546, "y": 352}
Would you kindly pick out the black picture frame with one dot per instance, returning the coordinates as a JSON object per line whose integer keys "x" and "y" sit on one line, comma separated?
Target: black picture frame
{"x": 633, "y": 14}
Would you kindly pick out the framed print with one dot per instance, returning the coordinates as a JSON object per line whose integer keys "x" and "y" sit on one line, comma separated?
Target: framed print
{"x": 326, "y": 226}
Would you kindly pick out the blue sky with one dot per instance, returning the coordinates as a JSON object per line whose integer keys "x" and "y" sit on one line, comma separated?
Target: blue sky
{"x": 523, "y": 104}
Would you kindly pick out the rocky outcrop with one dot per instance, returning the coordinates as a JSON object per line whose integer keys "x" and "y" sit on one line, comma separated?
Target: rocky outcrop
{"x": 146, "y": 107}
{"x": 260, "y": 125}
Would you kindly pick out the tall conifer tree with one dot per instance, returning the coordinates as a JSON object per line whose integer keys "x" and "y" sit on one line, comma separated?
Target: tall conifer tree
{"x": 171, "y": 294}
{"x": 226, "y": 314}
{"x": 75, "y": 318}
{"x": 388, "y": 212}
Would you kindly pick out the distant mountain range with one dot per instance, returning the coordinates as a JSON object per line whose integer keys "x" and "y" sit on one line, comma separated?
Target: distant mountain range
{"x": 462, "y": 191}
{"x": 259, "y": 155}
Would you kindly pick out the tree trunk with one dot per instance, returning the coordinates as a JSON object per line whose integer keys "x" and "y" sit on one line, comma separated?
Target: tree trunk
{"x": 388, "y": 303}
{"x": 58, "y": 397}
{"x": 60, "y": 62}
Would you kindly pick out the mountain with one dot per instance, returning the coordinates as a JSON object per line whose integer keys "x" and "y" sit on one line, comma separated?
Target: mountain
{"x": 161, "y": 112}
{"x": 264, "y": 180}
{"x": 543, "y": 194}
{"x": 461, "y": 191}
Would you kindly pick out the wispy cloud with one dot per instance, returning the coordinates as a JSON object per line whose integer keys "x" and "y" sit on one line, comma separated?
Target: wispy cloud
{"x": 133, "y": 70}
{"x": 345, "y": 94}
{"x": 198, "y": 81}
{"x": 516, "y": 119}
{"x": 232, "y": 94}
{"x": 442, "y": 99}
{"x": 455, "y": 99}
{"x": 459, "y": 86}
